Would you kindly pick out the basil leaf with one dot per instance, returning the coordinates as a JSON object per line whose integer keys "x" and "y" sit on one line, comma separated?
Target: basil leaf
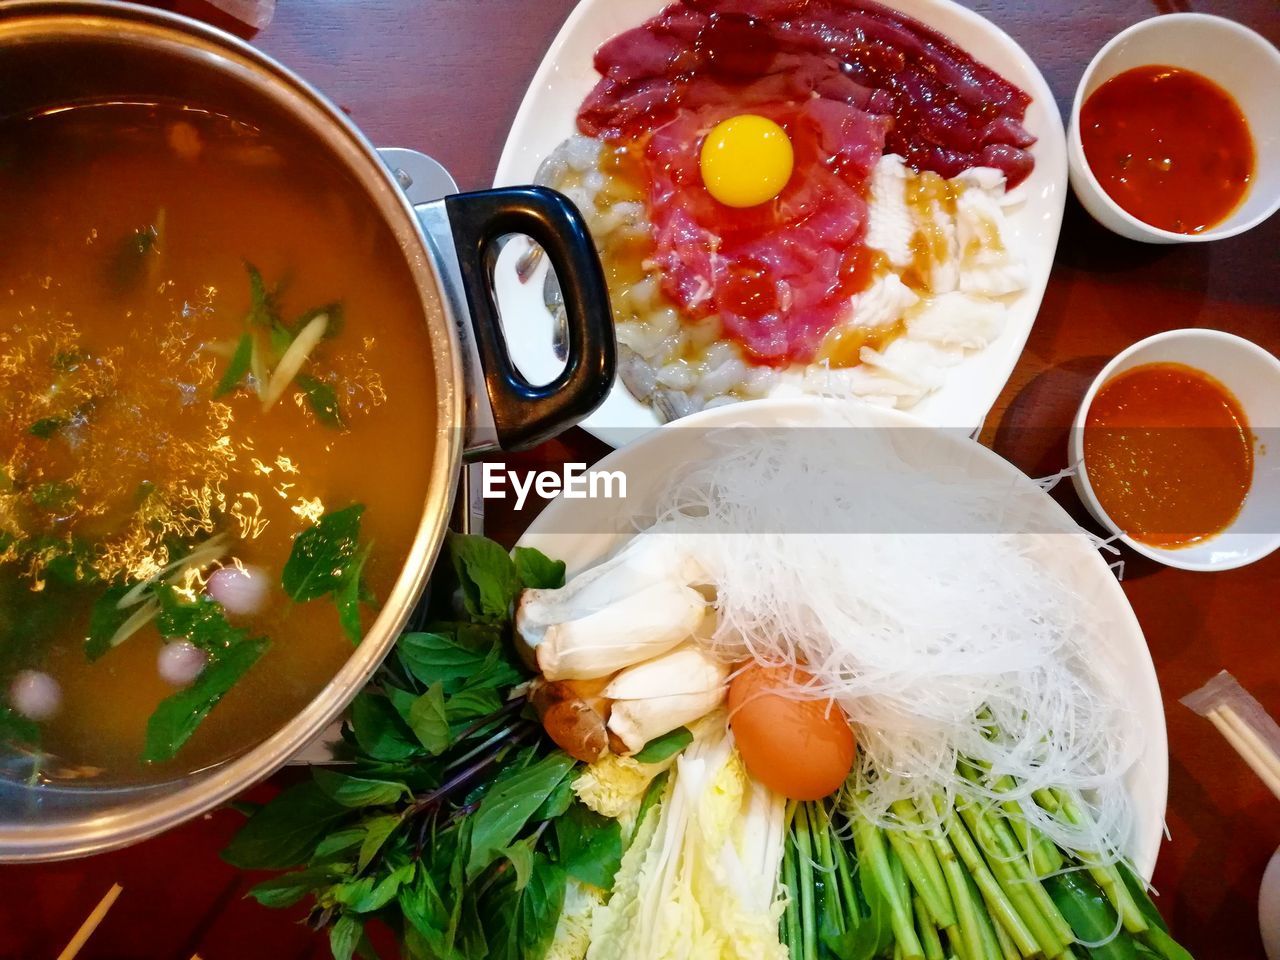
{"x": 125, "y": 267}
{"x": 521, "y": 923}
{"x": 376, "y": 833}
{"x": 557, "y": 802}
{"x": 201, "y": 622}
{"x": 105, "y": 618}
{"x": 349, "y": 594}
{"x": 438, "y": 657}
{"x": 285, "y": 831}
{"x": 17, "y": 729}
{"x": 281, "y": 339}
{"x": 344, "y": 936}
{"x": 178, "y": 715}
{"x": 238, "y": 367}
{"x": 428, "y": 720}
{"x": 653, "y": 794}
{"x": 336, "y": 845}
{"x": 358, "y": 791}
{"x": 538, "y": 571}
{"x": 424, "y": 908}
{"x": 46, "y": 427}
{"x": 321, "y": 555}
{"x": 371, "y": 893}
{"x": 520, "y": 854}
{"x": 53, "y": 494}
{"x": 379, "y": 730}
{"x": 509, "y": 804}
{"x": 322, "y": 400}
{"x": 263, "y": 310}
{"x": 590, "y": 846}
{"x": 487, "y": 575}
{"x": 289, "y": 888}
{"x": 660, "y": 748}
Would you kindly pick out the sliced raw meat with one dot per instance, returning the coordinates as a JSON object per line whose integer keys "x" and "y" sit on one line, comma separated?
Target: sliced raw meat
{"x": 950, "y": 112}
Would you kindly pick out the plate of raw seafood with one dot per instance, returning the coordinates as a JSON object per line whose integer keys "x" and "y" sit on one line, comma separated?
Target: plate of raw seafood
{"x": 828, "y": 197}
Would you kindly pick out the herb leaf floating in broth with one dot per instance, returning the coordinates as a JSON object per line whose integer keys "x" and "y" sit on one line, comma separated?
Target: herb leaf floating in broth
{"x": 178, "y": 716}
{"x": 46, "y": 427}
{"x": 238, "y": 368}
{"x": 328, "y": 560}
{"x": 202, "y": 622}
{"x": 106, "y": 619}
{"x": 322, "y": 400}
{"x": 128, "y": 264}
{"x": 291, "y": 349}
{"x": 321, "y": 555}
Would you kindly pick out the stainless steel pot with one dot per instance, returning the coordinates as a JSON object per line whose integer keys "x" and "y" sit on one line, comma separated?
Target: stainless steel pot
{"x": 56, "y": 53}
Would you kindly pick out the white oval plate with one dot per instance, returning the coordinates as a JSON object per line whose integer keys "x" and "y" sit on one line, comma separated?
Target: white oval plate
{"x": 647, "y": 462}
{"x": 548, "y": 116}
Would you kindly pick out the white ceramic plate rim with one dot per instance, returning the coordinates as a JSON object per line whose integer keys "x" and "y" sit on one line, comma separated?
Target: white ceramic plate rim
{"x": 1147, "y": 781}
{"x": 566, "y": 75}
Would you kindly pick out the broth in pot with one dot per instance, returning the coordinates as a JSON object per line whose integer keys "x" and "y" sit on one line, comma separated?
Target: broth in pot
{"x": 215, "y": 390}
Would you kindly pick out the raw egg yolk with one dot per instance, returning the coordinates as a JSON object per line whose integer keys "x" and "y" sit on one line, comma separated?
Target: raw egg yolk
{"x": 802, "y": 749}
{"x": 746, "y": 160}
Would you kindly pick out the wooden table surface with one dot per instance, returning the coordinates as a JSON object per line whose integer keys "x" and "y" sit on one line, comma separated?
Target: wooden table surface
{"x": 445, "y": 77}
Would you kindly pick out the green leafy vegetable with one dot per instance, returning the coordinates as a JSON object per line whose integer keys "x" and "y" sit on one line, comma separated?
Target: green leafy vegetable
{"x": 46, "y": 427}
{"x": 487, "y": 576}
{"x": 379, "y": 729}
{"x": 454, "y": 804}
{"x": 125, "y": 270}
{"x": 442, "y": 656}
{"x": 358, "y": 791}
{"x": 105, "y": 618}
{"x": 669, "y": 744}
{"x": 289, "y": 888}
{"x": 53, "y": 494}
{"x": 538, "y": 571}
{"x": 344, "y": 936}
{"x": 508, "y": 806}
{"x": 285, "y": 832}
{"x": 322, "y": 555}
{"x": 264, "y": 310}
{"x": 590, "y": 846}
{"x": 177, "y": 716}
{"x": 238, "y": 367}
{"x": 17, "y": 729}
{"x": 349, "y": 594}
{"x": 322, "y": 400}
{"x": 426, "y": 717}
{"x": 202, "y": 622}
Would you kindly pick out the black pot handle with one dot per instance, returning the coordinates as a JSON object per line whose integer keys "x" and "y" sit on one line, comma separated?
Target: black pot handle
{"x": 525, "y": 415}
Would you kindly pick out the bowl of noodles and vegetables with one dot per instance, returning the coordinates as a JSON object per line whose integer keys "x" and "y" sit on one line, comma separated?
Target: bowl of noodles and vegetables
{"x": 755, "y": 726}
{"x": 233, "y": 403}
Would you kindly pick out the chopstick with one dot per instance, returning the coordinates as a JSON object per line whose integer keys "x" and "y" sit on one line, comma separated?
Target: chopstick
{"x": 90, "y": 924}
{"x": 1249, "y": 745}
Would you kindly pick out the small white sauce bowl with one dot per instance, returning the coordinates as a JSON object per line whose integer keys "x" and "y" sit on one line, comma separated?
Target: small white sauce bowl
{"x": 1253, "y": 376}
{"x": 1240, "y": 61}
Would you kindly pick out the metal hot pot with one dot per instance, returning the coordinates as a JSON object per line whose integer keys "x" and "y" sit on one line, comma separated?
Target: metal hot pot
{"x": 57, "y": 53}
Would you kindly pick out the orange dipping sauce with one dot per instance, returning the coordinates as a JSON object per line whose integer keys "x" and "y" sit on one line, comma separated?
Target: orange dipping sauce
{"x": 1169, "y": 146}
{"x": 1168, "y": 453}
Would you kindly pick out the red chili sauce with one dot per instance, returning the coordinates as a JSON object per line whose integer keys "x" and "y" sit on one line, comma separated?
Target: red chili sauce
{"x": 1169, "y": 146}
{"x": 1168, "y": 453}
